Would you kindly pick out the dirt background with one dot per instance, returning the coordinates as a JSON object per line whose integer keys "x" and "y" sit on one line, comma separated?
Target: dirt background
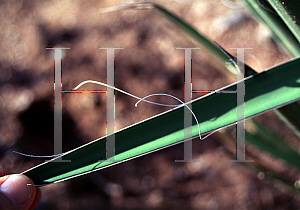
{"x": 148, "y": 63}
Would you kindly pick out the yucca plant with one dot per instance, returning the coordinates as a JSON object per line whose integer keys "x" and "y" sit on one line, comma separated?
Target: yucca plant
{"x": 277, "y": 88}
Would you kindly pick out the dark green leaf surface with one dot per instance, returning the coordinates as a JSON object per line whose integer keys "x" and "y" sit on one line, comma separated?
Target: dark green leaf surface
{"x": 289, "y": 11}
{"x": 274, "y": 145}
{"x": 282, "y": 35}
{"x": 264, "y": 91}
{"x": 289, "y": 114}
{"x": 193, "y": 33}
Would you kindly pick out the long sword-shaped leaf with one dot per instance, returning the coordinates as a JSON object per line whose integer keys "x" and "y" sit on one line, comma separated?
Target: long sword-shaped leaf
{"x": 273, "y": 144}
{"x": 248, "y": 70}
{"x": 226, "y": 138}
{"x": 289, "y": 11}
{"x": 282, "y": 12}
{"x": 265, "y": 91}
{"x": 181, "y": 24}
{"x": 289, "y": 114}
{"x": 282, "y": 35}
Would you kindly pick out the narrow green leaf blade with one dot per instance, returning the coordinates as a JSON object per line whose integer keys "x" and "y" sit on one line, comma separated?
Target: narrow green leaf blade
{"x": 289, "y": 11}
{"x": 282, "y": 35}
{"x": 248, "y": 70}
{"x": 264, "y": 91}
{"x": 190, "y": 30}
{"x": 289, "y": 114}
{"x": 268, "y": 141}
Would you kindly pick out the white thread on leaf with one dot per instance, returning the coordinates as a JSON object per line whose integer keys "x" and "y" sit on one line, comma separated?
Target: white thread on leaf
{"x": 117, "y": 89}
{"x": 96, "y": 169}
{"x": 37, "y": 156}
{"x": 143, "y": 99}
{"x": 140, "y": 99}
{"x": 163, "y": 94}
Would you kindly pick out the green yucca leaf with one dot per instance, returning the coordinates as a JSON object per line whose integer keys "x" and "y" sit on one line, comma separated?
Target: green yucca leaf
{"x": 259, "y": 169}
{"x": 273, "y": 144}
{"x": 289, "y": 11}
{"x": 185, "y": 27}
{"x": 282, "y": 35}
{"x": 265, "y": 91}
{"x": 289, "y": 114}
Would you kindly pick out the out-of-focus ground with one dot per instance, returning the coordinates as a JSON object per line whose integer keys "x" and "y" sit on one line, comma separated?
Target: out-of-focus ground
{"x": 148, "y": 63}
